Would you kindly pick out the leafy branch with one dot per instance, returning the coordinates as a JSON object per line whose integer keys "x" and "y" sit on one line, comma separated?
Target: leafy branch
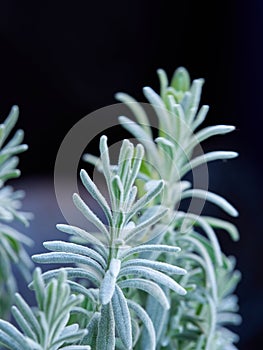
{"x": 44, "y": 328}
{"x": 153, "y": 276}
{"x": 110, "y": 263}
{"x": 11, "y": 241}
{"x": 170, "y": 156}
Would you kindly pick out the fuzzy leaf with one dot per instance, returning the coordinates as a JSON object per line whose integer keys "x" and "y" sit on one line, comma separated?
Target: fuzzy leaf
{"x": 200, "y": 117}
{"x": 60, "y": 246}
{"x": 137, "y": 110}
{"x": 92, "y": 328}
{"x": 143, "y": 316}
{"x": 106, "y": 329}
{"x": 208, "y": 230}
{"x": 153, "y": 219}
{"x": 85, "y": 210}
{"x": 73, "y": 273}
{"x": 213, "y": 198}
{"x": 210, "y": 131}
{"x": 141, "y": 135}
{"x": 159, "y": 317}
{"x": 96, "y": 194}
{"x": 65, "y": 258}
{"x": 7, "y": 332}
{"x": 154, "y": 275}
{"x": 73, "y": 230}
{"x": 222, "y": 224}
{"x": 107, "y": 287}
{"x": 122, "y": 318}
{"x": 150, "y": 248}
{"x": 157, "y": 265}
{"x": 205, "y": 158}
{"x": 149, "y": 287}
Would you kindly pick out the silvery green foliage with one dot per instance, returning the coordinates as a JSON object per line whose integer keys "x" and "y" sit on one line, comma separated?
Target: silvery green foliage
{"x": 11, "y": 241}
{"x": 131, "y": 292}
{"x": 199, "y": 319}
{"x": 113, "y": 261}
{"x": 45, "y": 327}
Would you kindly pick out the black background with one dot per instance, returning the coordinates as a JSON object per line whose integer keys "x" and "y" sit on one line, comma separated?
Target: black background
{"x": 62, "y": 60}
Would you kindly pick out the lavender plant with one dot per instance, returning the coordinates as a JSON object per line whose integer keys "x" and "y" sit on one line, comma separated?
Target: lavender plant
{"x": 113, "y": 263}
{"x": 198, "y": 320}
{"x": 46, "y": 326}
{"x": 11, "y": 241}
{"x": 153, "y": 276}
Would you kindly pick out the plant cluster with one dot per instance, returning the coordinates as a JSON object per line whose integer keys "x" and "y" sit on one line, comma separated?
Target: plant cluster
{"x": 11, "y": 241}
{"x": 153, "y": 276}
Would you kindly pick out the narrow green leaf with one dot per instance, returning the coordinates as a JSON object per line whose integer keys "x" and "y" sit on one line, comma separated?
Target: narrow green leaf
{"x": 196, "y": 90}
{"x": 92, "y": 329}
{"x": 39, "y": 287}
{"x": 124, "y": 161}
{"x": 222, "y": 224}
{"x": 149, "y": 287}
{"x": 162, "y": 248}
{"x": 85, "y": 210}
{"x": 138, "y": 156}
{"x": 13, "y": 333}
{"x": 27, "y": 313}
{"x": 208, "y": 230}
{"x": 79, "y": 289}
{"x": 205, "y": 158}
{"x": 159, "y": 317}
{"x": 16, "y": 139}
{"x": 137, "y": 131}
{"x": 211, "y": 280}
{"x": 186, "y": 102}
{"x": 69, "y": 338}
{"x": 137, "y": 110}
{"x": 156, "y": 265}
{"x": 107, "y": 287}
{"x": 143, "y": 316}
{"x": 200, "y": 117}
{"x": 9, "y": 164}
{"x": 10, "y": 122}
{"x": 211, "y": 197}
{"x": 160, "y": 110}
{"x": 210, "y": 131}
{"x": 106, "y": 329}
{"x": 10, "y": 342}
{"x": 73, "y": 230}
{"x": 23, "y": 324}
{"x": 50, "y": 300}
{"x": 10, "y": 174}
{"x": 7, "y": 151}
{"x": 154, "y": 275}
{"x": 66, "y": 258}
{"x": 122, "y": 318}
{"x": 163, "y": 81}
{"x": 212, "y": 323}
{"x": 155, "y": 188}
{"x": 130, "y": 235}
{"x": 96, "y": 194}
{"x": 66, "y": 247}
{"x": 73, "y": 273}
{"x": 118, "y": 191}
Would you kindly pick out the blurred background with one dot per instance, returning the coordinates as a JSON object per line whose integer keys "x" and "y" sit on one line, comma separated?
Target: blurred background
{"x": 62, "y": 60}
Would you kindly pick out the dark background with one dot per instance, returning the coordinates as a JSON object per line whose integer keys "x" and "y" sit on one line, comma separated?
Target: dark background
{"x": 62, "y": 60}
